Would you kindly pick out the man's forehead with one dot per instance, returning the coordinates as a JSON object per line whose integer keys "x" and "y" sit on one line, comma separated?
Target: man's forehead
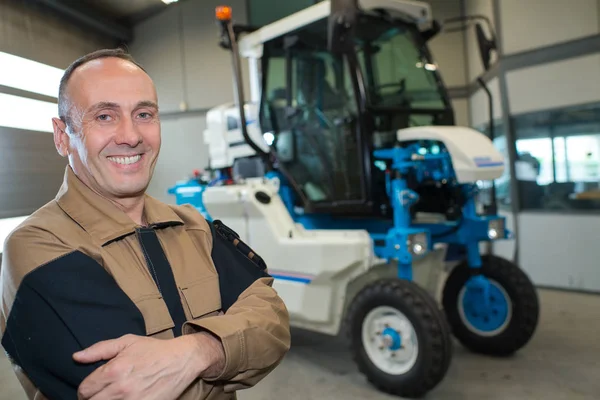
{"x": 95, "y": 77}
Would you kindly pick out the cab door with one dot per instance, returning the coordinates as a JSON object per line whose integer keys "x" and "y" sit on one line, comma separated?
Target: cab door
{"x": 309, "y": 104}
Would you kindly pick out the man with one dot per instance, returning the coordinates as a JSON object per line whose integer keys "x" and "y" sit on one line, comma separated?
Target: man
{"x": 108, "y": 293}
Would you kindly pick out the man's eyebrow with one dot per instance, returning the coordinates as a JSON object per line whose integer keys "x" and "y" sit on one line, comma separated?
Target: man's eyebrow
{"x": 103, "y": 104}
{"x": 147, "y": 104}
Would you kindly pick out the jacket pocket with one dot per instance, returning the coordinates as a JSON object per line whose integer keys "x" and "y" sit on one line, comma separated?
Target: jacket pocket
{"x": 156, "y": 314}
{"x": 202, "y": 297}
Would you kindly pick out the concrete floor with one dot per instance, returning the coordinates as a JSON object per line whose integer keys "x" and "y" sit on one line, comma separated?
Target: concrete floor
{"x": 561, "y": 362}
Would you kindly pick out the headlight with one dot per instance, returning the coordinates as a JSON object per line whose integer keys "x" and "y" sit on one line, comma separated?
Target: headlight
{"x": 417, "y": 243}
{"x": 496, "y": 229}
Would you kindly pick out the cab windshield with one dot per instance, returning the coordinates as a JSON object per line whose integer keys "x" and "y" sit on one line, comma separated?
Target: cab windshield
{"x": 397, "y": 68}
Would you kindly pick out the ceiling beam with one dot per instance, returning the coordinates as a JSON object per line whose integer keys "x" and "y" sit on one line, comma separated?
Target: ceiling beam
{"x": 98, "y": 23}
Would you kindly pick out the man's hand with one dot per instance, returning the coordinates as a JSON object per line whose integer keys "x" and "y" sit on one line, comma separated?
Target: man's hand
{"x": 147, "y": 368}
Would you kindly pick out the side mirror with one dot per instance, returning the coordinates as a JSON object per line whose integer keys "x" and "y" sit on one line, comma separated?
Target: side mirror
{"x": 486, "y": 46}
{"x": 432, "y": 32}
{"x": 342, "y": 20}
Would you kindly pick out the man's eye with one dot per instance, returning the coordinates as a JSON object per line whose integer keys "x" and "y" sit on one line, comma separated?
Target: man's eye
{"x": 103, "y": 117}
{"x": 145, "y": 115}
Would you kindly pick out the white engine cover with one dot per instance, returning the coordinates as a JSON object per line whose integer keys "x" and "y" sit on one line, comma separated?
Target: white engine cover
{"x": 311, "y": 267}
{"x": 474, "y": 156}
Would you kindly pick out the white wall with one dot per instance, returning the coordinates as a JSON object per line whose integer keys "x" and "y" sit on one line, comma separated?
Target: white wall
{"x": 557, "y": 84}
{"x": 540, "y": 23}
{"x": 560, "y": 250}
{"x": 179, "y": 49}
{"x": 448, "y": 49}
{"x": 477, "y": 7}
{"x": 461, "y": 112}
{"x": 479, "y": 107}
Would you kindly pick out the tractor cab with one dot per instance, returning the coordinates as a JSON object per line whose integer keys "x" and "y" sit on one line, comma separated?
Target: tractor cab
{"x": 325, "y": 112}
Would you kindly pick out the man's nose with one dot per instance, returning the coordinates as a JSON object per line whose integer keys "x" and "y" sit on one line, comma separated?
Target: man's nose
{"x": 128, "y": 133}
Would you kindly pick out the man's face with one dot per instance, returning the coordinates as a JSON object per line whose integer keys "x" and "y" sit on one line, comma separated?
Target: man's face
{"x": 115, "y": 138}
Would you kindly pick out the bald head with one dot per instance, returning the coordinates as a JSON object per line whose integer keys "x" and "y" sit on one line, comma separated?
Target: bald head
{"x": 90, "y": 60}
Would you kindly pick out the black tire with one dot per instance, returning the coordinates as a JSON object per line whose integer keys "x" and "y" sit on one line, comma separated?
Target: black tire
{"x": 428, "y": 321}
{"x": 524, "y": 313}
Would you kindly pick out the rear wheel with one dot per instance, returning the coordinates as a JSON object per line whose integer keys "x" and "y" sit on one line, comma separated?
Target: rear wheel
{"x": 495, "y": 313}
{"x": 399, "y": 338}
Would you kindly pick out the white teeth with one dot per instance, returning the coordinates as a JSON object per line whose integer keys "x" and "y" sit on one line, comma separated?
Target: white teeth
{"x": 125, "y": 160}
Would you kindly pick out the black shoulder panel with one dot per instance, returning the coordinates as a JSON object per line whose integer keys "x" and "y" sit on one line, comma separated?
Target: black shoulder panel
{"x": 230, "y": 235}
{"x": 61, "y": 308}
{"x": 238, "y": 266}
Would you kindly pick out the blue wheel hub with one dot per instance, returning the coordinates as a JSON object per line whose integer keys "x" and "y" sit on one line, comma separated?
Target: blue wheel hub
{"x": 392, "y": 339}
{"x": 485, "y": 306}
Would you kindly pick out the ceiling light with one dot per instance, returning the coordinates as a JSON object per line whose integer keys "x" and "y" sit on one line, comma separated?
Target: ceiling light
{"x": 169, "y": 1}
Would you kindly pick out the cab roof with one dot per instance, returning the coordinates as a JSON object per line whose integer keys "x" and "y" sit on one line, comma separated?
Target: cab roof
{"x": 251, "y": 45}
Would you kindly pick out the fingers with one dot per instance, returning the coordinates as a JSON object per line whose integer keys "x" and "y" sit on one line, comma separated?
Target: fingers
{"x": 114, "y": 391}
{"x": 104, "y": 350}
{"x": 113, "y": 371}
{"x": 106, "y": 382}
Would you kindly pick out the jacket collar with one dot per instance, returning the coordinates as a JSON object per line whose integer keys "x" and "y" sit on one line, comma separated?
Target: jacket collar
{"x": 103, "y": 220}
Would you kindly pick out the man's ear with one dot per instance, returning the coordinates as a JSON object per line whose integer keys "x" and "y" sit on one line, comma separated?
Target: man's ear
{"x": 61, "y": 139}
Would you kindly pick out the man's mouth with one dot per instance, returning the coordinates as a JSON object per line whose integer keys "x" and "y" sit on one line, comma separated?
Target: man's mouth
{"x": 126, "y": 160}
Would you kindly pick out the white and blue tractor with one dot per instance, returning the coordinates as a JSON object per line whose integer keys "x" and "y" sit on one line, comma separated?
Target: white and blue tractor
{"x": 346, "y": 173}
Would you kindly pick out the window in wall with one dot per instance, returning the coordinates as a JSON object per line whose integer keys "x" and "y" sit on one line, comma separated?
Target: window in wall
{"x": 21, "y": 73}
{"x": 31, "y": 76}
{"x": 23, "y": 113}
{"x": 558, "y": 159}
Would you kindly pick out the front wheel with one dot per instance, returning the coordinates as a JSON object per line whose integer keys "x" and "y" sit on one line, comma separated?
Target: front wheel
{"x": 399, "y": 338}
{"x": 495, "y": 312}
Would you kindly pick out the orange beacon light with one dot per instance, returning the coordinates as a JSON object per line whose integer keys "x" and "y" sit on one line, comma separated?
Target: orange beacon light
{"x": 223, "y": 13}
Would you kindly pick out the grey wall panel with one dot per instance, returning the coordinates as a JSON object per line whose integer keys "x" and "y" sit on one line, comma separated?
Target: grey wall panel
{"x": 157, "y": 47}
{"x": 553, "y": 85}
{"x": 182, "y": 151}
{"x": 31, "y": 171}
{"x": 547, "y": 22}
{"x": 179, "y": 48}
{"x": 29, "y": 31}
{"x": 208, "y": 68}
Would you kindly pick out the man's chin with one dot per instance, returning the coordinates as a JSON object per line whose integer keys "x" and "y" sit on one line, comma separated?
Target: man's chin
{"x": 130, "y": 189}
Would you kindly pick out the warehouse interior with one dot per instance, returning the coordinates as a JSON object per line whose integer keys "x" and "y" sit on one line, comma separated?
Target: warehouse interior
{"x": 545, "y": 104}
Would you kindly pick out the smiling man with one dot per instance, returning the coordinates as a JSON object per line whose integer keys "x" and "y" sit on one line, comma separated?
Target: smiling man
{"x": 107, "y": 293}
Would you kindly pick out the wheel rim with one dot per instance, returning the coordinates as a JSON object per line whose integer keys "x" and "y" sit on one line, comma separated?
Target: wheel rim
{"x": 485, "y": 321}
{"x": 390, "y": 340}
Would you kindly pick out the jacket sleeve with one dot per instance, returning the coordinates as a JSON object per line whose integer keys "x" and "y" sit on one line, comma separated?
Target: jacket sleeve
{"x": 57, "y": 301}
{"x": 255, "y": 328}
